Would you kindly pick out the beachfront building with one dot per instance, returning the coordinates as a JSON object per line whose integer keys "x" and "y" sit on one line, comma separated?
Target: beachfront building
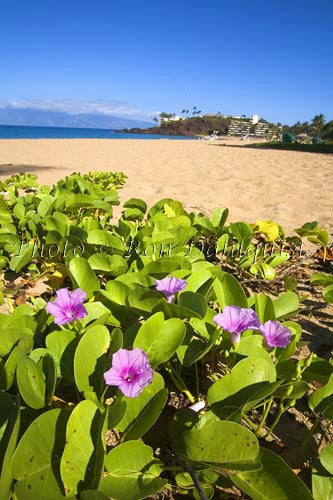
{"x": 249, "y": 127}
{"x": 166, "y": 119}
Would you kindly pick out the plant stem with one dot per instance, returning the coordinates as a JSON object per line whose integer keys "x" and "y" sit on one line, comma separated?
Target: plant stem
{"x": 178, "y": 382}
{"x": 276, "y": 420}
{"x": 264, "y": 416}
{"x": 249, "y": 422}
{"x": 193, "y": 475}
{"x": 197, "y": 381}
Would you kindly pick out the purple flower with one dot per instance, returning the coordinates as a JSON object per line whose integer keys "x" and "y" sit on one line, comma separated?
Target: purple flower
{"x": 275, "y": 334}
{"x": 170, "y": 286}
{"x": 130, "y": 371}
{"x": 236, "y": 320}
{"x": 68, "y": 306}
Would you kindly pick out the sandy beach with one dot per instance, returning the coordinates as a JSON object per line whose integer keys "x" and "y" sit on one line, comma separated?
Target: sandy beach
{"x": 289, "y": 187}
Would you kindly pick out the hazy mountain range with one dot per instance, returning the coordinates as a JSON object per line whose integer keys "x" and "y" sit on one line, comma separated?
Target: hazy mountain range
{"x": 44, "y": 118}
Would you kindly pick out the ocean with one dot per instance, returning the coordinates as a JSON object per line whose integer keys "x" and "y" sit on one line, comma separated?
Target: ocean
{"x": 24, "y": 132}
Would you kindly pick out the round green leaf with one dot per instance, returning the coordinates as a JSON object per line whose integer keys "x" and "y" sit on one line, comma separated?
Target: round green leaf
{"x": 31, "y": 382}
{"x": 220, "y": 442}
{"x": 274, "y": 481}
{"x": 83, "y": 276}
{"x": 36, "y": 460}
{"x": 142, "y": 412}
{"x": 82, "y": 460}
{"x": 160, "y": 339}
{"x": 92, "y": 359}
{"x": 133, "y": 472}
{"x": 326, "y": 458}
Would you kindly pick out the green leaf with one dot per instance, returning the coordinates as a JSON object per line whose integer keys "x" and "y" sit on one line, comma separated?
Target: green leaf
{"x": 229, "y": 292}
{"x": 102, "y": 238}
{"x": 322, "y": 482}
{"x": 199, "y": 281}
{"x": 8, "y": 369}
{"x": 31, "y": 382}
{"x": 10, "y": 336}
{"x": 160, "y": 339}
{"x": 321, "y": 401}
{"x": 251, "y": 380}
{"x": 24, "y": 257}
{"x": 194, "y": 348}
{"x": 36, "y": 460}
{"x": 220, "y": 442}
{"x": 328, "y": 294}
{"x": 242, "y": 231}
{"x": 9, "y": 431}
{"x": 290, "y": 283}
{"x": 326, "y": 458}
{"x": 286, "y": 305}
{"x": 194, "y": 302}
{"x": 82, "y": 460}
{"x": 264, "y": 307}
{"x": 62, "y": 344}
{"x": 264, "y": 270}
{"x": 91, "y": 360}
{"x": 321, "y": 279}
{"x": 59, "y": 224}
{"x": 164, "y": 266}
{"x": 277, "y": 259}
{"x": 133, "y": 472}
{"x": 142, "y": 412}
{"x": 144, "y": 300}
{"x": 136, "y": 203}
{"x": 83, "y": 276}
{"x": 219, "y": 216}
{"x": 251, "y": 346}
{"x": 112, "y": 265}
{"x": 319, "y": 370}
{"x": 93, "y": 495}
{"x": 274, "y": 481}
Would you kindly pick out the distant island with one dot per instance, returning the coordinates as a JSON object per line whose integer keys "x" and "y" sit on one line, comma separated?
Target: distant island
{"x": 47, "y": 118}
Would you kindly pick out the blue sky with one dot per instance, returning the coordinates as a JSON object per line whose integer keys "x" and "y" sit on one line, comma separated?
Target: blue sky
{"x": 268, "y": 57}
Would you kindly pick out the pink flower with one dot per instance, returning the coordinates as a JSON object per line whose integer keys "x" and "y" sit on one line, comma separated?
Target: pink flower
{"x": 130, "y": 371}
{"x": 68, "y": 306}
{"x": 170, "y": 286}
{"x": 275, "y": 334}
{"x": 236, "y": 320}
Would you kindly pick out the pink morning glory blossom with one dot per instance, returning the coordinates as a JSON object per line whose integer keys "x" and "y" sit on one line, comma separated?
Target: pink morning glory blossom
{"x": 68, "y": 306}
{"x": 236, "y": 320}
{"x": 130, "y": 371}
{"x": 170, "y": 286}
{"x": 275, "y": 334}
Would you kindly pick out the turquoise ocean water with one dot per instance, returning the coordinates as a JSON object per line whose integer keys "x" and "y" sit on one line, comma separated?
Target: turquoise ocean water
{"x": 23, "y": 132}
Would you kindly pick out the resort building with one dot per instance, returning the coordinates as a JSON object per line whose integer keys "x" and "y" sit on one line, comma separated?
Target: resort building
{"x": 176, "y": 118}
{"x": 252, "y": 127}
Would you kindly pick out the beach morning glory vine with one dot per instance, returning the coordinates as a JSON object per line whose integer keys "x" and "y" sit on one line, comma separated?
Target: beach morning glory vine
{"x": 68, "y": 306}
{"x": 170, "y": 286}
{"x": 275, "y": 334}
{"x": 236, "y": 320}
{"x": 130, "y": 371}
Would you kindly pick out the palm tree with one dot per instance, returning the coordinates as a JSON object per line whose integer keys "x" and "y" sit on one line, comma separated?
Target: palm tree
{"x": 318, "y": 121}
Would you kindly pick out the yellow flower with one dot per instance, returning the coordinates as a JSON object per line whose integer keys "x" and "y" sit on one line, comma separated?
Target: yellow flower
{"x": 268, "y": 228}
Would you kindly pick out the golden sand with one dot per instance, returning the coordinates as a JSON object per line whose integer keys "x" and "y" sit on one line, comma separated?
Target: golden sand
{"x": 289, "y": 187}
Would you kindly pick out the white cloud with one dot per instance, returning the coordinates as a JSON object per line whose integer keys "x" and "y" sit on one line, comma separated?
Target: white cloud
{"x": 101, "y": 107}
